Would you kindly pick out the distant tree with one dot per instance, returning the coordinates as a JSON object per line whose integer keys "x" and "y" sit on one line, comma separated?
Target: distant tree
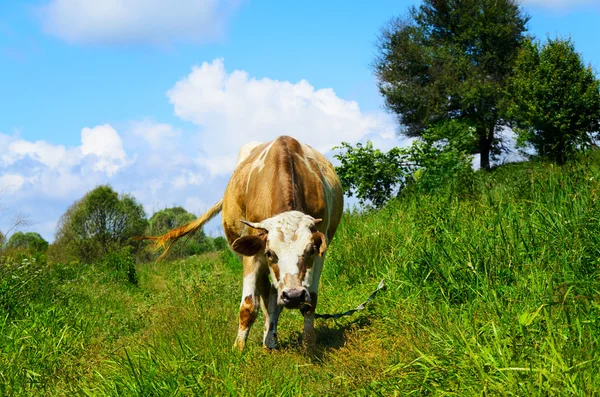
{"x": 220, "y": 243}
{"x": 99, "y": 223}
{"x": 170, "y": 218}
{"x": 450, "y": 60}
{"x": 30, "y": 241}
{"x": 554, "y": 99}
{"x": 2, "y": 239}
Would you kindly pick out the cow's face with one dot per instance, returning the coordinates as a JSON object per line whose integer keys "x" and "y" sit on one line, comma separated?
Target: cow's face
{"x": 289, "y": 242}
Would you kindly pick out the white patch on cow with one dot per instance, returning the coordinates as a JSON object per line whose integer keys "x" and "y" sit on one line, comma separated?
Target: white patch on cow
{"x": 259, "y": 163}
{"x": 249, "y": 286}
{"x": 245, "y": 151}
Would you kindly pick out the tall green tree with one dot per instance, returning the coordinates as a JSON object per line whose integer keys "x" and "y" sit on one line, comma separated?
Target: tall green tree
{"x": 101, "y": 222}
{"x": 169, "y": 218}
{"x": 554, "y": 99}
{"x": 450, "y": 60}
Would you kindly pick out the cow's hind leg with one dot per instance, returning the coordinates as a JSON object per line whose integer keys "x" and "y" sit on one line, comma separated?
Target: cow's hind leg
{"x": 250, "y": 301}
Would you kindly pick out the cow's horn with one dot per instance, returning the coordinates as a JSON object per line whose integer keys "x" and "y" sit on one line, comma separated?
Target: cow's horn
{"x": 257, "y": 225}
{"x": 318, "y": 220}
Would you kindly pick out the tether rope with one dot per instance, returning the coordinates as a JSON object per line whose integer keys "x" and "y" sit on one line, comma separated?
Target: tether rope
{"x": 359, "y": 307}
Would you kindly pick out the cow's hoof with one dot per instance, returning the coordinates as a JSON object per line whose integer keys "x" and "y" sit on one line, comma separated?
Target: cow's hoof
{"x": 238, "y": 345}
{"x": 270, "y": 342}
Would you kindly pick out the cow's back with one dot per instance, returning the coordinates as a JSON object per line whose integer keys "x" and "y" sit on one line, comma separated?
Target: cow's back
{"x": 278, "y": 176}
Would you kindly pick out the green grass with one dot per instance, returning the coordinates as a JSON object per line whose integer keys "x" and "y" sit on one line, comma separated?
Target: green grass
{"x": 493, "y": 289}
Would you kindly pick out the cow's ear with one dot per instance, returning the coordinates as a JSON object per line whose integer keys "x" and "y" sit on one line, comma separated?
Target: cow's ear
{"x": 249, "y": 245}
{"x": 319, "y": 242}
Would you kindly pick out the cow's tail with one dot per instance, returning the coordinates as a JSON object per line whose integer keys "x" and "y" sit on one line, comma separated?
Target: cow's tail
{"x": 170, "y": 238}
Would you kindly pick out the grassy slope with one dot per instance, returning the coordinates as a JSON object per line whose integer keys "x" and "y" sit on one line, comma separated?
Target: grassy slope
{"x": 494, "y": 292}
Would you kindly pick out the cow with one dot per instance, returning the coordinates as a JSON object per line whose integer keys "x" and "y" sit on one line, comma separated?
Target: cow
{"x": 280, "y": 211}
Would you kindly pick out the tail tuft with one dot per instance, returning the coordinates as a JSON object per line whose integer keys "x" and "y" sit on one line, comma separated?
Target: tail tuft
{"x": 168, "y": 239}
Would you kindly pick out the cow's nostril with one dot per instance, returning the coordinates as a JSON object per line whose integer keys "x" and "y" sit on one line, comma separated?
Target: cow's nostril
{"x": 285, "y": 296}
{"x": 303, "y": 296}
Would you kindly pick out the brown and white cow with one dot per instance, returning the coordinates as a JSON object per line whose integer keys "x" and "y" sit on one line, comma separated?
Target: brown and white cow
{"x": 280, "y": 210}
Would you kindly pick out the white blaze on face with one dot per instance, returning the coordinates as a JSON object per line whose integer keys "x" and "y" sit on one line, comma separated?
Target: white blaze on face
{"x": 290, "y": 250}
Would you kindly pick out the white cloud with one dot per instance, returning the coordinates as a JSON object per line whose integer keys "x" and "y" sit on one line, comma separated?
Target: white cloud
{"x": 105, "y": 144}
{"x": 49, "y": 155}
{"x": 57, "y": 171}
{"x": 11, "y": 183}
{"x": 233, "y": 109}
{"x": 158, "y": 135}
{"x": 136, "y": 21}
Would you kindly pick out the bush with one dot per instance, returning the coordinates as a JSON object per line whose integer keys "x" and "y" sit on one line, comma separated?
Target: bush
{"x": 220, "y": 243}
{"x": 441, "y": 156}
{"x": 120, "y": 266}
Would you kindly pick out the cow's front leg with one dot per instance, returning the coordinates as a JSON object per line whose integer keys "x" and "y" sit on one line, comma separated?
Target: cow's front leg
{"x": 273, "y": 310}
{"x": 249, "y": 304}
{"x": 309, "y": 338}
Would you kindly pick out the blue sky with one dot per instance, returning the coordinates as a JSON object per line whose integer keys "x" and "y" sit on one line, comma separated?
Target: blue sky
{"x": 155, "y": 97}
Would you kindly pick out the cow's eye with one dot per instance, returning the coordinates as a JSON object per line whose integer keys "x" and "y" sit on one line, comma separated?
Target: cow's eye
{"x": 268, "y": 254}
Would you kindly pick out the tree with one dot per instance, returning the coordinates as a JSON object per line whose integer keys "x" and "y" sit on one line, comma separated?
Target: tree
{"x": 169, "y": 218}
{"x": 554, "y": 99}
{"x": 30, "y": 241}
{"x": 99, "y": 223}
{"x": 450, "y": 60}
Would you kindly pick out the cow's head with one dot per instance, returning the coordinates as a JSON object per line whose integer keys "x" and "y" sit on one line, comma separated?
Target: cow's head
{"x": 289, "y": 242}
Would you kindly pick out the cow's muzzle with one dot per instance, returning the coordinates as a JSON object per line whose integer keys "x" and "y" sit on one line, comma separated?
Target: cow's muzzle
{"x": 294, "y": 297}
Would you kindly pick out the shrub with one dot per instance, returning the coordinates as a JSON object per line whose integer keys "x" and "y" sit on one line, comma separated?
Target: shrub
{"x": 120, "y": 266}
{"x": 441, "y": 156}
{"x": 220, "y": 243}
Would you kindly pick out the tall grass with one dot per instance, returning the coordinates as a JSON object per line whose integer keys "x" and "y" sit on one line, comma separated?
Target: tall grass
{"x": 505, "y": 274}
{"x": 493, "y": 289}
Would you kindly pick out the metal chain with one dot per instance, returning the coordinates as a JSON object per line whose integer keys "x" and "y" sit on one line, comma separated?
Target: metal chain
{"x": 359, "y": 307}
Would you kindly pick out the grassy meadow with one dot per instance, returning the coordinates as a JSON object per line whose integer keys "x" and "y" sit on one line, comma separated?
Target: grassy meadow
{"x": 493, "y": 288}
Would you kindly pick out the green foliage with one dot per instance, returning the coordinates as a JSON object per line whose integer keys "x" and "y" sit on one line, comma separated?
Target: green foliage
{"x": 29, "y": 241}
{"x": 169, "y": 218}
{"x": 120, "y": 266}
{"x": 370, "y": 174}
{"x": 441, "y": 156}
{"x": 220, "y": 243}
{"x": 100, "y": 223}
{"x": 554, "y": 100}
{"x": 27, "y": 280}
{"x": 450, "y": 60}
